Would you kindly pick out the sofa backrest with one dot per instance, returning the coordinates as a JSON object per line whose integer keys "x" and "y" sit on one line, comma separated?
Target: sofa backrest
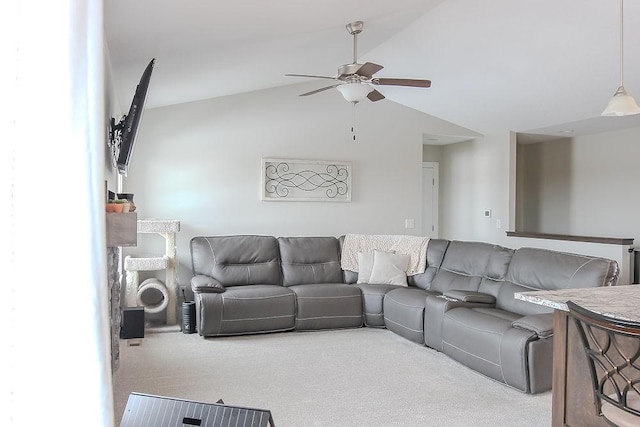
{"x": 308, "y": 260}
{"x": 435, "y": 254}
{"x": 466, "y": 264}
{"x": 533, "y": 269}
{"x": 496, "y": 270}
{"x": 237, "y": 260}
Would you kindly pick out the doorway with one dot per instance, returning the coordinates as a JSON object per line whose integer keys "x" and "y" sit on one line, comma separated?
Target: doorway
{"x": 430, "y": 199}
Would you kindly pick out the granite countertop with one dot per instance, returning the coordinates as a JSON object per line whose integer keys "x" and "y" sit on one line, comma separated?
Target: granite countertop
{"x": 620, "y": 302}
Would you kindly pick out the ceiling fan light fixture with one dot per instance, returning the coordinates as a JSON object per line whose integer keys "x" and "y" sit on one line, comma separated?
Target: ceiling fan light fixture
{"x": 355, "y": 81}
{"x": 354, "y": 92}
{"x": 622, "y": 104}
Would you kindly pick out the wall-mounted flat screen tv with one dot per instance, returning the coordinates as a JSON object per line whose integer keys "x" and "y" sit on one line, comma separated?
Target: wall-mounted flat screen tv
{"x": 128, "y": 125}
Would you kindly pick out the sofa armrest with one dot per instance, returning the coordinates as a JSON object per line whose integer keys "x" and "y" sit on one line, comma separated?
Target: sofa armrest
{"x": 540, "y": 324}
{"x": 470, "y": 296}
{"x": 205, "y": 284}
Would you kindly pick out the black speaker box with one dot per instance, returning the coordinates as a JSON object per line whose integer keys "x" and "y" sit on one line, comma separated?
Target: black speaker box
{"x": 132, "y": 323}
{"x": 188, "y": 317}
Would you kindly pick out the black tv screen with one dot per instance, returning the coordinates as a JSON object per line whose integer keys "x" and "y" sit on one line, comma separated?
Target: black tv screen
{"x": 131, "y": 122}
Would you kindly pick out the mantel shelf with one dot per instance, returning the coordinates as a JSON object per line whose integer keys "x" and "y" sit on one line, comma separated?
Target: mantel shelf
{"x": 122, "y": 229}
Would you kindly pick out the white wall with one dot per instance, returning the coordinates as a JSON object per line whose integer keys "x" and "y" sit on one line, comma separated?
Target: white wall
{"x": 432, "y": 153}
{"x": 546, "y": 187}
{"x": 52, "y": 126}
{"x": 474, "y": 176}
{"x": 200, "y": 163}
{"x": 111, "y": 110}
{"x": 582, "y": 186}
{"x": 585, "y": 185}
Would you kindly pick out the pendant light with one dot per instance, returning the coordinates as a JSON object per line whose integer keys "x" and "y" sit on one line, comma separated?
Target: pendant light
{"x": 622, "y": 104}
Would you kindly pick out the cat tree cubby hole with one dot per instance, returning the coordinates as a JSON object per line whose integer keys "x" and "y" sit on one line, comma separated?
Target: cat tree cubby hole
{"x": 163, "y": 292}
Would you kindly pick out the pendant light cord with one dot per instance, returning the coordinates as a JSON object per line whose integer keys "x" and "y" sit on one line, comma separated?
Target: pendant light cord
{"x": 621, "y": 41}
{"x": 621, "y": 104}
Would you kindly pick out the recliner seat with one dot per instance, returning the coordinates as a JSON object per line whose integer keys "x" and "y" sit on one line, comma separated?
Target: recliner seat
{"x": 403, "y": 311}
{"x": 237, "y": 286}
{"x": 512, "y": 341}
{"x": 461, "y": 266}
{"x": 311, "y": 269}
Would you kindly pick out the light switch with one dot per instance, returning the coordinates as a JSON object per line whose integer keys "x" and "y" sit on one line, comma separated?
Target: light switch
{"x": 409, "y": 223}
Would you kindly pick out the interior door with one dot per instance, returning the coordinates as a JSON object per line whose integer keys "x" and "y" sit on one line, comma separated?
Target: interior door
{"x": 430, "y": 199}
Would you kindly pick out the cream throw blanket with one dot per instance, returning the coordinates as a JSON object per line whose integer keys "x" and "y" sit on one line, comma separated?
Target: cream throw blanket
{"x": 414, "y": 246}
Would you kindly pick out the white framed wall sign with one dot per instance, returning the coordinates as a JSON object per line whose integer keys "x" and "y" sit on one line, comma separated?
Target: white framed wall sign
{"x": 305, "y": 180}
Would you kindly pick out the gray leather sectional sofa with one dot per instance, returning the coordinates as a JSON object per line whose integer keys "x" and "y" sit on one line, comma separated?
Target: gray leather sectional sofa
{"x": 462, "y": 305}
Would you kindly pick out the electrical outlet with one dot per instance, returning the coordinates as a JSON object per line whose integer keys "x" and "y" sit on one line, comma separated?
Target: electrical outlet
{"x": 498, "y": 223}
{"x": 409, "y": 223}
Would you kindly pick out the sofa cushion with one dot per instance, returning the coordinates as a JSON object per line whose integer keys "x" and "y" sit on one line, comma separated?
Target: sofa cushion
{"x": 465, "y": 264}
{"x": 245, "y": 309}
{"x": 498, "y": 264}
{"x": 534, "y": 269}
{"x": 237, "y": 260}
{"x": 327, "y": 306}
{"x": 372, "y": 299}
{"x": 365, "y": 265}
{"x": 307, "y": 260}
{"x": 389, "y": 269}
{"x": 404, "y": 312}
{"x": 484, "y": 340}
{"x": 435, "y": 254}
{"x": 549, "y": 270}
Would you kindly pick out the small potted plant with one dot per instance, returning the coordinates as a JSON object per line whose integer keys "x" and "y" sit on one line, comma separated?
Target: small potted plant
{"x": 118, "y": 206}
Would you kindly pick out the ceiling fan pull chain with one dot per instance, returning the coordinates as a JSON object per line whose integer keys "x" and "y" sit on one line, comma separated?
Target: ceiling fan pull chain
{"x": 353, "y": 121}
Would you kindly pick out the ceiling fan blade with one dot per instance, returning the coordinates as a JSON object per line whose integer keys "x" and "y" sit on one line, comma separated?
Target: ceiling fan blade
{"x": 402, "y": 82}
{"x": 320, "y": 90}
{"x": 309, "y": 75}
{"x": 368, "y": 69}
{"x": 374, "y": 96}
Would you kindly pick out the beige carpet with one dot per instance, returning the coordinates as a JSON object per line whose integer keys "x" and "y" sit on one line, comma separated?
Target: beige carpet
{"x": 357, "y": 377}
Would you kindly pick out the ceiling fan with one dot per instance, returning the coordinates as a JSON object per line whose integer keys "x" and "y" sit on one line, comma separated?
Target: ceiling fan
{"x": 355, "y": 81}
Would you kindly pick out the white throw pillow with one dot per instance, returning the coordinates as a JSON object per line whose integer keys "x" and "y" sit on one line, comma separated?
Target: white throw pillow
{"x": 389, "y": 269}
{"x": 365, "y": 265}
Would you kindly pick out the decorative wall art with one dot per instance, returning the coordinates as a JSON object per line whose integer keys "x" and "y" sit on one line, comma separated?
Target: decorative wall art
{"x": 306, "y": 180}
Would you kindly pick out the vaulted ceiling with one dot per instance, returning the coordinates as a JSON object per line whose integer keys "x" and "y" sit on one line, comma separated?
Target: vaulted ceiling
{"x": 536, "y": 67}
